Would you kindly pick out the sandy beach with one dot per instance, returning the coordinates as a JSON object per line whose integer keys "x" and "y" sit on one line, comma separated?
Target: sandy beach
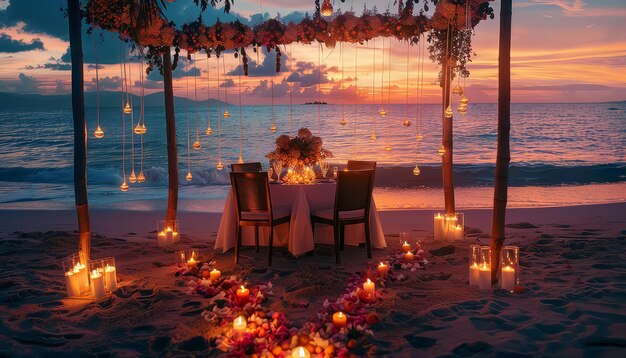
{"x": 573, "y": 274}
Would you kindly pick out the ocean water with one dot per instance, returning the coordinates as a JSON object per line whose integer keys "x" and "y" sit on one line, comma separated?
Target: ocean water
{"x": 575, "y": 149}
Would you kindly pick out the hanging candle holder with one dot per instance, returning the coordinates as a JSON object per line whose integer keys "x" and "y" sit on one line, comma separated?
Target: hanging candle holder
{"x": 474, "y": 262}
{"x": 327, "y": 8}
{"x": 273, "y": 128}
{"x": 406, "y": 123}
{"x": 124, "y": 186}
{"x": 458, "y": 90}
{"x": 484, "y": 268}
{"x": 416, "y": 170}
{"x": 343, "y": 122}
{"x": 209, "y": 131}
{"x": 382, "y": 112}
{"x": 419, "y": 136}
{"x": 76, "y": 277}
{"x": 462, "y": 109}
{"x": 143, "y": 128}
{"x": 110, "y": 274}
{"x": 509, "y": 268}
{"x": 138, "y": 129}
{"x": 196, "y": 145}
{"x": 140, "y": 177}
{"x": 96, "y": 279}
{"x": 464, "y": 100}
{"x": 132, "y": 178}
{"x": 98, "y": 133}
{"x": 219, "y": 165}
{"x": 442, "y": 150}
{"x": 226, "y": 114}
{"x": 388, "y": 148}
{"x": 167, "y": 232}
{"x": 128, "y": 109}
{"x": 448, "y": 112}
{"x": 189, "y": 176}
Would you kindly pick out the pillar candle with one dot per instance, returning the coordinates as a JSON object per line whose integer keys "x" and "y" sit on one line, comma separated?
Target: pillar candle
{"x": 215, "y": 275}
{"x": 340, "y": 319}
{"x": 97, "y": 285}
{"x": 474, "y": 272}
{"x": 369, "y": 287}
{"x": 408, "y": 257}
{"x": 508, "y": 278}
{"x": 243, "y": 294}
{"x": 110, "y": 278}
{"x": 71, "y": 284}
{"x": 484, "y": 277}
{"x": 383, "y": 269}
{"x": 439, "y": 222}
{"x": 458, "y": 232}
{"x": 82, "y": 277}
{"x": 449, "y": 227}
{"x": 406, "y": 247}
{"x": 191, "y": 263}
{"x": 239, "y": 326}
{"x": 300, "y": 352}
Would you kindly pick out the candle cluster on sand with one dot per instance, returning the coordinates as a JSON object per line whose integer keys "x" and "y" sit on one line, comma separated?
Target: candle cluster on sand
{"x": 167, "y": 236}
{"x": 448, "y": 227}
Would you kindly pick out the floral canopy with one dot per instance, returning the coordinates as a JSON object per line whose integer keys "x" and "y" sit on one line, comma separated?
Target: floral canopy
{"x": 144, "y": 23}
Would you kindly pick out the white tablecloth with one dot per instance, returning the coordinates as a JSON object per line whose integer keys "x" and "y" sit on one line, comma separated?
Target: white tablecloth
{"x": 298, "y": 236}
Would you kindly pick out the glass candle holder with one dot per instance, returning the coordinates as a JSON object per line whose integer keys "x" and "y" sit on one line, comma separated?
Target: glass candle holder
{"x": 449, "y": 227}
{"x": 76, "y": 276}
{"x": 405, "y": 241}
{"x": 110, "y": 274}
{"x": 96, "y": 279}
{"x": 474, "y": 262}
{"x": 335, "y": 171}
{"x": 167, "y": 232}
{"x": 509, "y": 267}
{"x": 484, "y": 268}
{"x": 192, "y": 258}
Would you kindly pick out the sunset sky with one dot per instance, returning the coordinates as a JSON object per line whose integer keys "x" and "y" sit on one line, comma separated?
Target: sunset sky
{"x": 563, "y": 51}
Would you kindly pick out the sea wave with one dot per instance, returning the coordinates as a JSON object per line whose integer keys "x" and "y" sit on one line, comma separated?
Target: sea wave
{"x": 386, "y": 176}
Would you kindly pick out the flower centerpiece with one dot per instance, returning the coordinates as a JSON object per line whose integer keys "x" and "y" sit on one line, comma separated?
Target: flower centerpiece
{"x": 299, "y": 154}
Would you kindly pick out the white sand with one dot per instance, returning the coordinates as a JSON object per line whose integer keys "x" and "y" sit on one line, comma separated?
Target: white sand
{"x": 573, "y": 269}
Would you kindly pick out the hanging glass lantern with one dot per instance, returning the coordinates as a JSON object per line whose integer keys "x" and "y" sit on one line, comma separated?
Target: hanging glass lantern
{"x": 416, "y": 170}
{"x": 141, "y": 178}
{"x": 196, "y": 145}
{"x": 226, "y": 114}
{"x": 98, "y": 133}
{"x": 388, "y": 148}
{"x": 373, "y": 136}
{"x": 209, "y": 131}
{"x": 138, "y": 129}
{"x": 464, "y": 100}
{"x": 127, "y": 108}
{"x": 382, "y": 112}
{"x": 273, "y": 128}
{"x": 462, "y": 109}
{"x": 327, "y": 8}
{"x": 124, "y": 186}
{"x": 189, "y": 176}
{"x": 132, "y": 178}
{"x": 442, "y": 150}
{"x": 220, "y": 166}
{"x": 343, "y": 122}
{"x": 420, "y": 136}
{"x": 406, "y": 123}
{"x": 448, "y": 113}
{"x": 143, "y": 129}
{"x": 458, "y": 90}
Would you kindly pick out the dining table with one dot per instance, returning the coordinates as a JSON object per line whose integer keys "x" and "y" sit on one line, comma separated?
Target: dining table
{"x": 301, "y": 200}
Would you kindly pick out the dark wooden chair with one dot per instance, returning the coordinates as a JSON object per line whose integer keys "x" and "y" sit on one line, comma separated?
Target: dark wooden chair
{"x": 353, "y": 197}
{"x": 253, "y": 204}
{"x": 361, "y": 165}
{"x": 246, "y": 167}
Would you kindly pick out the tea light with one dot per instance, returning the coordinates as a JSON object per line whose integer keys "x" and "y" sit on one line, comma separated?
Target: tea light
{"x": 383, "y": 269}
{"x": 300, "y": 352}
{"x": 340, "y": 319}
{"x": 439, "y": 223}
{"x": 239, "y": 325}
{"x": 484, "y": 277}
{"x": 474, "y": 274}
{"x": 406, "y": 247}
{"x": 243, "y": 294}
{"x": 408, "y": 257}
{"x": 97, "y": 285}
{"x": 191, "y": 263}
{"x": 369, "y": 287}
{"x": 110, "y": 278}
{"x": 508, "y": 278}
{"x": 214, "y": 275}
{"x": 71, "y": 284}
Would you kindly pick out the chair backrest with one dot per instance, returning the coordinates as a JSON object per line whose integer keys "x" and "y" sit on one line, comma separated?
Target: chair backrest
{"x": 354, "y": 190}
{"x": 246, "y": 167}
{"x": 252, "y": 192}
{"x": 361, "y": 165}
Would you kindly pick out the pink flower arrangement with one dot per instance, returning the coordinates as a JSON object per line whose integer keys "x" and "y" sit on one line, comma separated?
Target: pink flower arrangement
{"x": 303, "y": 149}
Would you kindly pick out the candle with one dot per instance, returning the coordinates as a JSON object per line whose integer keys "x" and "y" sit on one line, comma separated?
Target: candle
{"x": 300, "y": 352}
{"x": 191, "y": 263}
{"x": 438, "y": 227}
{"x": 484, "y": 277}
{"x": 71, "y": 284}
{"x": 508, "y": 278}
{"x": 215, "y": 275}
{"x": 243, "y": 294}
{"x": 369, "y": 287}
{"x": 97, "y": 285}
{"x": 406, "y": 247}
{"x": 239, "y": 326}
{"x": 81, "y": 277}
{"x": 458, "y": 232}
{"x": 449, "y": 227}
{"x": 340, "y": 319}
{"x": 110, "y": 278}
{"x": 408, "y": 257}
{"x": 382, "y": 270}
{"x": 474, "y": 272}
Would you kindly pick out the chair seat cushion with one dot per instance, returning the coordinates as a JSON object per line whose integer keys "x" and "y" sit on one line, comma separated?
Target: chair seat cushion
{"x": 264, "y": 215}
{"x": 343, "y": 215}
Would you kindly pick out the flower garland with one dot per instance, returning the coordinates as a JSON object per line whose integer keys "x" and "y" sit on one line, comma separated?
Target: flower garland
{"x": 269, "y": 333}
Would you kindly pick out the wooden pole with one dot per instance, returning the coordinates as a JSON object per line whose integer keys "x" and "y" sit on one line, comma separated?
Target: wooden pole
{"x": 446, "y": 160}
{"x": 501, "y": 184}
{"x": 80, "y": 130}
{"x": 170, "y": 128}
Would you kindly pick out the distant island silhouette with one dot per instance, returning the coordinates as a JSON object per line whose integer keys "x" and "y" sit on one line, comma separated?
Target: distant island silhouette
{"x": 316, "y": 102}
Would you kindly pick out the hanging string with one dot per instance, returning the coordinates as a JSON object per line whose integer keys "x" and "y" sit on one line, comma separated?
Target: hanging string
{"x": 98, "y": 132}
{"x": 188, "y": 126}
{"x": 196, "y": 144}
{"x": 124, "y": 186}
{"x": 373, "y": 135}
{"x": 132, "y": 178}
{"x": 273, "y": 126}
{"x": 219, "y": 119}
{"x": 226, "y": 113}
{"x": 141, "y": 178}
{"x": 290, "y": 97}
{"x": 209, "y": 131}
{"x": 343, "y": 120}
{"x": 356, "y": 91}
{"x": 406, "y": 112}
{"x": 420, "y": 108}
{"x": 319, "y": 84}
{"x": 388, "y": 146}
{"x": 240, "y": 160}
{"x": 382, "y": 82}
